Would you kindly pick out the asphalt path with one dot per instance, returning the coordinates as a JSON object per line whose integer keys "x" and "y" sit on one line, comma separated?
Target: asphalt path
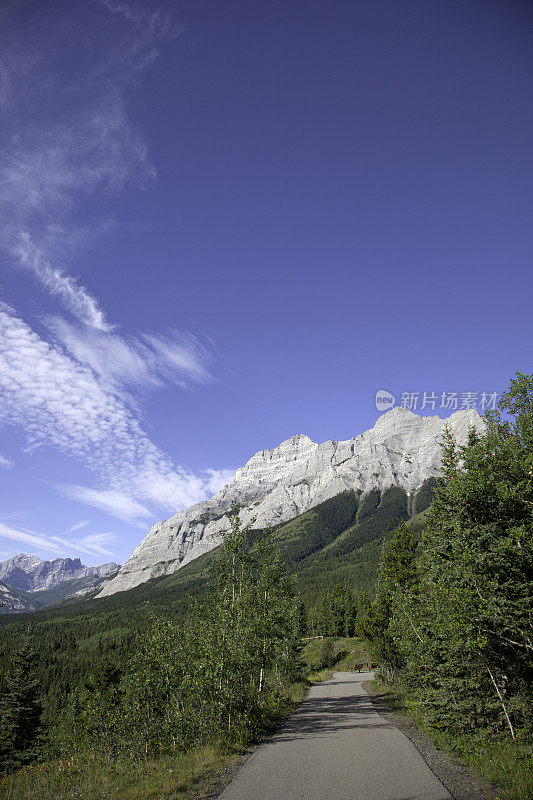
{"x": 335, "y": 746}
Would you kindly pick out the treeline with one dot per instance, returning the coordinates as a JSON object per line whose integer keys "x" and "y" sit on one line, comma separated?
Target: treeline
{"x": 68, "y": 649}
{"x": 333, "y": 612}
{"x": 215, "y": 675}
{"x": 451, "y": 621}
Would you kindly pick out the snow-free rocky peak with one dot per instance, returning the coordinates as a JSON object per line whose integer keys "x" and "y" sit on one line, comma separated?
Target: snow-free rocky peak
{"x": 274, "y": 486}
{"x": 31, "y": 574}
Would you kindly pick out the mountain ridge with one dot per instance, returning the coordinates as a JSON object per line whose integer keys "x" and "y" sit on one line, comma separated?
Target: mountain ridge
{"x": 276, "y": 485}
{"x": 32, "y": 574}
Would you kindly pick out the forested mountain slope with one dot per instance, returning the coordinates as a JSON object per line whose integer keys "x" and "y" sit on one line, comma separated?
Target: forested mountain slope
{"x": 14, "y": 601}
{"x": 402, "y": 450}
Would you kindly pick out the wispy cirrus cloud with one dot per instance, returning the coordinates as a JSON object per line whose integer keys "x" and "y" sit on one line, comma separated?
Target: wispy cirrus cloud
{"x": 95, "y": 544}
{"x": 71, "y": 294}
{"x": 60, "y": 402}
{"x": 146, "y": 360}
{"x": 98, "y": 542}
{"x": 48, "y": 170}
{"x": 68, "y": 145}
{"x": 115, "y": 503}
{"x": 154, "y": 19}
{"x": 68, "y": 148}
{"x": 78, "y": 526}
{"x": 58, "y": 170}
{"x": 5, "y": 462}
{"x": 28, "y": 539}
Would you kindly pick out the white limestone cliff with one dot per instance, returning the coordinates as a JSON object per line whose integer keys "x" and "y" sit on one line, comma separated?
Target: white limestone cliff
{"x": 14, "y": 602}
{"x": 32, "y": 574}
{"x": 274, "y": 486}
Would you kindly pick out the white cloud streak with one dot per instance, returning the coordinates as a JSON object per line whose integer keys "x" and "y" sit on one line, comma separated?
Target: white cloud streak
{"x": 51, "y": 173}
{"x": 67, "y": 149}
{"x": 155, "y": 20}
{"x": 76, "y": 527}
{"x": 147, "y": 361}
{"x": 66, "y": 143}
{"x": 59, "y": 402}
{"x": 112, "y": 502}
{"x": 71, "y": 294}
{"x": 45, "y": 178}
{"x": 93, "y": 544}
{"x": 33, "y": 540}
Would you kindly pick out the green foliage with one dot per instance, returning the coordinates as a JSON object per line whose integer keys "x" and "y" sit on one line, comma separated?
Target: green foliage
{"x": 398, "y": 583}
{"x": 342, "y": 653}
{"x": 423, "y": 496}
{"x": 504, "y": 763}
{"x": 352, "y": 558}
{"x": 459, "y": 635}
{"x": 311, "y": 532}
{"x": 86, "y": 777}
{"x": 20, "y": 711}
{"x": 369, "y": 502}
{"x": 249, "y": 632}
{"x": 211, "y": 676}
{"x": 391, "y": 509}
{"x": 450, "y": 455}
{"x": 47, "y": 597}
{"x": 332, "y": 612}
{"x": 318, "y": 655}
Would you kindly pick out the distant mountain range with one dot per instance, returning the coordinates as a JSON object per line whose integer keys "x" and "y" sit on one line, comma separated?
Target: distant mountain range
{"x": 402, "y": 451}
{"x": 28, "y": 583}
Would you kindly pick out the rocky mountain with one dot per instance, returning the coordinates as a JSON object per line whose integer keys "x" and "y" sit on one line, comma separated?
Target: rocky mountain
{"x": 13, "y": 601}
{"x": 31, "y": 574}
{"x": 274, "y": 486}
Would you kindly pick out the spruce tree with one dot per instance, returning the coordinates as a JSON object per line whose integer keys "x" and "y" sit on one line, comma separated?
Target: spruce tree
{"x": 20, "y": 711}
{"x": 467, "y": 653}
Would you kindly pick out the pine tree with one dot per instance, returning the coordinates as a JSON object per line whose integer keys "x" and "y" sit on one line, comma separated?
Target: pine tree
{"x": 450, "y": 454}
{"x": 20, "y": 711}
{"x": 467, "y": 654}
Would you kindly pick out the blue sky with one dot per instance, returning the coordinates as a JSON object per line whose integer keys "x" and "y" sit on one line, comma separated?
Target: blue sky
{"x": 225, "y": 223}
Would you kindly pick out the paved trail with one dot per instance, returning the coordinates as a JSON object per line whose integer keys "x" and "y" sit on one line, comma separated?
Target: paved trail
{"x": 336, "y": 747}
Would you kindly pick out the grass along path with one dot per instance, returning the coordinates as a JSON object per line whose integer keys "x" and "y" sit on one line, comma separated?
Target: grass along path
{"x": 183, "y": 776}
{"x": 86, "y": 778}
